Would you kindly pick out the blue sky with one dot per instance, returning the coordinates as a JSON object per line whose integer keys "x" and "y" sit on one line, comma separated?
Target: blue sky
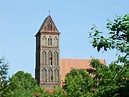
{"x": 21, "y": 19}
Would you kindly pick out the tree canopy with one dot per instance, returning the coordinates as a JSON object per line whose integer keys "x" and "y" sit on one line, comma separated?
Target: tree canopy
{"x": 118, "y": 38}
{"x": 78, "y": 83}
{"x": 22, "y": 84}
{"x": 109, "y": 81}
{"x": 112, "y": 81}
{"x": 3, "y": 78}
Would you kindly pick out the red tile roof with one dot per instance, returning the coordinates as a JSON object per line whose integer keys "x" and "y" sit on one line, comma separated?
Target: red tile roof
{"x": 67, "y": 64}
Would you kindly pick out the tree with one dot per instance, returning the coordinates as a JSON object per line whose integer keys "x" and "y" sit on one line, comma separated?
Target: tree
{"x": 118, "y": 38}
{"x": 22, "y": 85}
{"x": 108, "y": 80}
{"x": 58, "y": 92}
{"x": 112, "y": 81}
{"x": 3, "y": 78}
{"x": 78, "y": 83}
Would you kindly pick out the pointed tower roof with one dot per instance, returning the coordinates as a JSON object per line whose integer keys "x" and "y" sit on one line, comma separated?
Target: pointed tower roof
{"x": 48, "y": 25}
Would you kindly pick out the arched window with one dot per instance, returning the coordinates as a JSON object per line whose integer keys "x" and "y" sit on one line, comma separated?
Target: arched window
{"x": 50, "y": 58}
{"x": 50, "y": 75}
{"x": 44, "y": 54}
{"x": 56, "y": 75}
{"x": 50, "y": 41}
{"x": 55, "y": 58}
{"x": 44, "y": 74}
{"x": 49, "y": 25}
{"x": 44, "y": 41}
{"x": 55, "y": 41}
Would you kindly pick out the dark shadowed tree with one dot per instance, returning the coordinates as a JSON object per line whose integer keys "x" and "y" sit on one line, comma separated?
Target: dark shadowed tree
{"x": 109, "y": 81}
{"x": 3, "y": 78}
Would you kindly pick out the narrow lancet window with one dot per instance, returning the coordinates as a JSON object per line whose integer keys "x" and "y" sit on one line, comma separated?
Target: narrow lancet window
{"x": 49, "y": 58}
{"x": 44, "y": 58}
{"x": 55, "y": 58}
{"x": 49, "y": 25}
{"x": 55, "y": 41}
{"x": 44, "y": 75}
{"x": 50, "y": 41}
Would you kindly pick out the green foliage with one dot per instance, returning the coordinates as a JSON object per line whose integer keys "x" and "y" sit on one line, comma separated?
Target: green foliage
{"x": 3, "y": 78}
{"x": 58, "y": 92}
{"x": 22, "y": 85}
{"x": 112, "y": 81}
{"x": 118, "y": 38}
{"x": 22, "y": 80}
{"x": 78, "y": 83}
{"x": 109, "y": 81}
{"x": 98, "y": 81}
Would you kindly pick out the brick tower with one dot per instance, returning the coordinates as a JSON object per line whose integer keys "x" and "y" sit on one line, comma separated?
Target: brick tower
{"x": 47, "y": 69}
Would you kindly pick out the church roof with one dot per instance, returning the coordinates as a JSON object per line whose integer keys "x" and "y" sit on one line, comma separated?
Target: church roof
{"x": 68, "y": 64}
{"x": 45, "y": 23}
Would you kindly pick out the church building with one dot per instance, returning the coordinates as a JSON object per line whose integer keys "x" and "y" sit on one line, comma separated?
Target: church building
{"x": 50, "y": 70}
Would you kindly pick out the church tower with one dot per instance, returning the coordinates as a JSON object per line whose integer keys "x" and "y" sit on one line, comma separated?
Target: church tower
{"x": 47, "y": 69}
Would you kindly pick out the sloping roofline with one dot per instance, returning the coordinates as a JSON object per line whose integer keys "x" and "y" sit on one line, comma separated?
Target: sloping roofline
{"x": 44, "y": 22}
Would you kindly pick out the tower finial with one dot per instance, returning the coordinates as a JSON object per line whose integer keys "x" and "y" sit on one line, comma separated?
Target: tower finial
{"x": 49, "y": 12}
